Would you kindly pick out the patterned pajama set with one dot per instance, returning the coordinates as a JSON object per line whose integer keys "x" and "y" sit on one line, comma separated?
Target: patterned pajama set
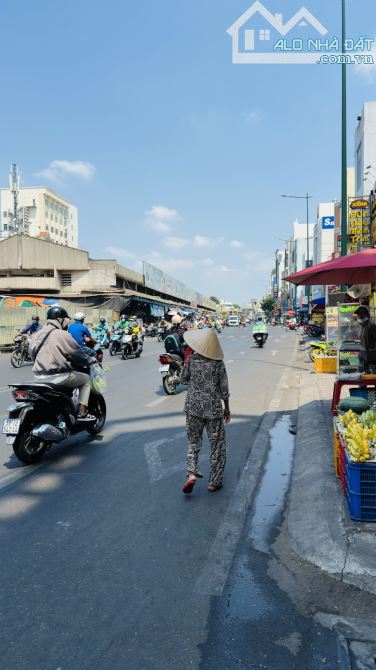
{"x": 208, "y": 386}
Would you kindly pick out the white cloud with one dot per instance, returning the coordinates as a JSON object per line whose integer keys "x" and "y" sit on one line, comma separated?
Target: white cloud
{"x": 260, "y": 261}
{"x": 57, "y": 170}
{"x": 236, "y": 244}
{"x": 160, "y": 213}
{"x": 119, "y": 252}
{"x": 206, "y": 262}
{"x": 159, "y": 218}
{"x": 201, "y": 241}
{"x": 224, "y": 268}
{"x": 175, "y": 242}
{"x": 368, "y": 72}
{"x": 252, "y": 117}
{"x": 169, "y": 264}
{"x": 159, "y": 226}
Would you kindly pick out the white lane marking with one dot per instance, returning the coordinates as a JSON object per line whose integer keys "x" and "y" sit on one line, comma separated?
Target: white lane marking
{"x": 214, "y": 573}
{"x": 274, "y": 353}
{"x": 3, "y": 389}
{"x": 277, "y": 340}
{"x": 242, "y": 353}
{"x": 156, "y": 402}
{"x": 230, "y": 361}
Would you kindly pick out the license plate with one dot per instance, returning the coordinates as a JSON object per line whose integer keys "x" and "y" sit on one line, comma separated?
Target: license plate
{"x": 11, "y": 426}
{"x": 164, "y": 368}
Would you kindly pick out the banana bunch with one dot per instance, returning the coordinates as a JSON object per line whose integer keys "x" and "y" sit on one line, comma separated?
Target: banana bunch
{"x": 358, "y": 441}
{"x": 348, "y": 417}
{"x": 368, "y": 419}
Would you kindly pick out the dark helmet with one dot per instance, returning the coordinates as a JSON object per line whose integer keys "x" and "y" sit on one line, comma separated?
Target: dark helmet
{"x": 35, "y": 317}
{"x": 102, "y": 319}
{"x": 362, "y": 311}
{"x": 57, "y": 312}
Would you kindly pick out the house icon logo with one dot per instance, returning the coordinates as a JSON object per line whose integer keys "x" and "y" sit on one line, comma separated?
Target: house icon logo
{"x": 257, "y": 32}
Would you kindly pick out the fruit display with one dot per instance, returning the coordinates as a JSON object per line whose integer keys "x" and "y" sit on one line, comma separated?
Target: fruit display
{"x": 359, "y": 433}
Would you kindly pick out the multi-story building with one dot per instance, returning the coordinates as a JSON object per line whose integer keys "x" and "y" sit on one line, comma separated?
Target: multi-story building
{"x": 323, "y": 240}
{"x": 297, "y": 259}
{"x": 41, "y": 213}
{"x": 365, "y": 150}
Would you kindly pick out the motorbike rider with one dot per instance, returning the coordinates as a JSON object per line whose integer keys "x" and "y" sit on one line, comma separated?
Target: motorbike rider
{"x": 174, "y": 342}
{"x": 81, "y": 333}
{"x": 260, "y": 327}
{"x": 57, "y": 355}
{"x": 123, "y": 324}
{"x": 103, "y": 329}
{"x": 32, "y": 327}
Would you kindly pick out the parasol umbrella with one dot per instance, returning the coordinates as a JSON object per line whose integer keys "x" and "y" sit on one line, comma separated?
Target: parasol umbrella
{"x": 359, "y": 268}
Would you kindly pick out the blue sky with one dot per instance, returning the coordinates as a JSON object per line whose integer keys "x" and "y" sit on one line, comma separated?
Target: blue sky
{"x": 182, "y": 156}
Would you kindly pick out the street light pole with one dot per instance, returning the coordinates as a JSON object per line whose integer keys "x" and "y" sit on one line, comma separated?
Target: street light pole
{"x": 344, "y": 139}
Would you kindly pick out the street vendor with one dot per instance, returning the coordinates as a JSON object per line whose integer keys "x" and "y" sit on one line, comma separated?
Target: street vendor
{"x": 367, "y": 337}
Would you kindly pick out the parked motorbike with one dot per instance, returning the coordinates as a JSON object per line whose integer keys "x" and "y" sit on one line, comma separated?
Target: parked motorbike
{"x": 44, "y": 415}
{"x": 314, "y": 330}
{"x": 321, "y": 347}
{"x": 170, "y": 369}
{"x": 102, "y": 338}
{"x": 20, "y": 353}
{"x": 131, "y": 345}
{"x": 115, "y": 343}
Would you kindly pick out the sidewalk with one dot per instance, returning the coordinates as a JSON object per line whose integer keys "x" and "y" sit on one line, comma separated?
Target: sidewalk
{"x": 319, "y": 526}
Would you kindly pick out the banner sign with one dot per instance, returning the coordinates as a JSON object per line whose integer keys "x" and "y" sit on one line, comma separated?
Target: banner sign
{"x": 327, "y": 222}
{"x": 162, "y": 282}
{"x": 359, "y": 226}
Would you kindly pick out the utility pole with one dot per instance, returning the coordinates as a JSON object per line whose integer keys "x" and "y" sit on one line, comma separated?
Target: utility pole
{"x": 14, "y": 185}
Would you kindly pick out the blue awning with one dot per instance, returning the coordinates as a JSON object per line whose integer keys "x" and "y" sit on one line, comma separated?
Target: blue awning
{"x": 319, "y": 301}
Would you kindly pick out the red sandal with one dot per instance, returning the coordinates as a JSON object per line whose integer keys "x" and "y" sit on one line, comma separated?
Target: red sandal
{"x": 188, "y": 486}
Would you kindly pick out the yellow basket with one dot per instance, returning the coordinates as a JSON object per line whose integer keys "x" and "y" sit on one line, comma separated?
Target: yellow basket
{"x": 325, "y": 364}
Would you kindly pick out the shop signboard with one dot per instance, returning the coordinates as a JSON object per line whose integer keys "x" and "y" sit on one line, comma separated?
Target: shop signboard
{"x": 331, "y": 314}
{"x": 162, "y": 282}
{"x": 359, "y": 225}
{"x": 373, "y": 218}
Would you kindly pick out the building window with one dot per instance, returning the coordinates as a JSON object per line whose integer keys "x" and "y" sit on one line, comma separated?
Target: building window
{"x": 264, "y": 35}
{"x": 5, "y": 226}
{"x": 5, "y": 215}
{"x": 66, "y": 279}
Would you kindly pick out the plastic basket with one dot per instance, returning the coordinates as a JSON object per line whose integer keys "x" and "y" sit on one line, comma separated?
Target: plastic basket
{"x": 325, "y": 364}
{"x": 368, "y": 394}
{"x": 336, "y": 452}
{"x": 361, "y": 507}
{"x": 361, "y": 489}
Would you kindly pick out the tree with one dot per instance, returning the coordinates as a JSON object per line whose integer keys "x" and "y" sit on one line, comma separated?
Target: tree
{"x": 237, "y": 307}
{"x": 267, "y": 305}
{"x": 214, "y": 299}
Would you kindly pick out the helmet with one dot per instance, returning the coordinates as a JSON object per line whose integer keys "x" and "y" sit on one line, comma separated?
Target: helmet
{"x": 176, "y": 319}
{"x": 57, "y": 312}
{"x": 35, "y": 317}
{"x": 102, "y": 319}
{"x": 79, "y": 316}
{"x": 123, "y": 317}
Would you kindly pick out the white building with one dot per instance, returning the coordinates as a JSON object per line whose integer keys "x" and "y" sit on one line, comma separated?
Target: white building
{"x": 297, "y": 258}
{"x": 42, "y": 213}
{"x": 323, "y": 240}
{"x": 365, "y": 150}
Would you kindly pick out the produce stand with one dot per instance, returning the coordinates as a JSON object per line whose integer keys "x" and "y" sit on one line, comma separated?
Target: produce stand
{"x": 364, "y": 382}
{"x": 358, "y": 479}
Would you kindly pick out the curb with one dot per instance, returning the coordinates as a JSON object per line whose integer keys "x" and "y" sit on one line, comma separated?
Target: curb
{"x": 319, "y": 528}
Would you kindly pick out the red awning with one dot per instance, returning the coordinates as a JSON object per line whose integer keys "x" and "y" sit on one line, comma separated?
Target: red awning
{"x": 359, "y": 268}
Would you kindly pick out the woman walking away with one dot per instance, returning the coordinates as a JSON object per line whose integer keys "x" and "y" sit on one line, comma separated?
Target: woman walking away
{"x": 206, "y": 375}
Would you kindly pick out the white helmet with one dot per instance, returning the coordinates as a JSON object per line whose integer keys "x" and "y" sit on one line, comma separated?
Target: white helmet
{"x": 176, "y": 319}
{"x": 79, "y": 316}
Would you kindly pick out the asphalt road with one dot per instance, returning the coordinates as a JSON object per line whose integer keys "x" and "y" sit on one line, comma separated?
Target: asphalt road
{"x": 106, "y": 565}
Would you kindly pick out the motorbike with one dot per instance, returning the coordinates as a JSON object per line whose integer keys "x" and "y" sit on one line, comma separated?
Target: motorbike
{"x": 260, "y": 339}
{"x": 218, "y": 328}
{"x": 161, "y": 334}
{"x": 102, "y": 337}
{"x": 131, "y": 345}
{"x": 44, "y": 415}
{"x": 151, "y": 331}
{"x": 314, "y": 330}
{"x": 115, "y": 342}
{"x": 321, "y": 347}
{"x": 170, "y": 369}
{"x": 20, "y": 353}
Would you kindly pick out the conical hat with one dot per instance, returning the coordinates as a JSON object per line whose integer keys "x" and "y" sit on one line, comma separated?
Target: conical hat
{"x": 205, "y": 342}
